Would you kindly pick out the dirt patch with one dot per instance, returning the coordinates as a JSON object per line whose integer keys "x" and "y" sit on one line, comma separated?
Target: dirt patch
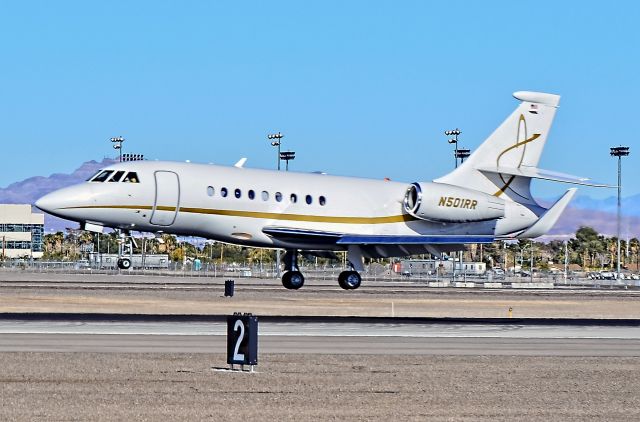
{"x": 106, "y": 387}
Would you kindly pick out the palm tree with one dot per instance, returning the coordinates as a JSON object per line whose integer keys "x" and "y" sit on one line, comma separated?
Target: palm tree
{"x": 634, "y": 246}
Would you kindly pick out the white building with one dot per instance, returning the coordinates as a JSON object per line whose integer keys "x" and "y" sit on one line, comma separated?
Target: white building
{"x": 428, "y": 267}
{"x": 21, "y": 232}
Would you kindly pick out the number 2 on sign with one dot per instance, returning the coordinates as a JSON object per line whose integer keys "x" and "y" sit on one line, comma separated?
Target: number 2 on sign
{"x": 238, "y": 326}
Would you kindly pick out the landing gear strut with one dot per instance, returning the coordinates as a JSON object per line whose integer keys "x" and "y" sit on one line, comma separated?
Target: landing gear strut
{"x": 350, "y": 279}
{"x": 292, "y": 278}
{"x": 125, "y": 249}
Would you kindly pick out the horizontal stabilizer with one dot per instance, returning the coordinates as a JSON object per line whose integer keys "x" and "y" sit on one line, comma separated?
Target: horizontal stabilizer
{"x": 536, "y": 173}
{"x": 549, "y": 218}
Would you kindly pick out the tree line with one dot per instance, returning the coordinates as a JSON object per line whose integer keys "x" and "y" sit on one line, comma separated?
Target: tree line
{"x": 587, "y": 248}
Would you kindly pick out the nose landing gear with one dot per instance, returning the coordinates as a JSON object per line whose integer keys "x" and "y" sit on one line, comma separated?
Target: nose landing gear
{"x": 125, "y": 249}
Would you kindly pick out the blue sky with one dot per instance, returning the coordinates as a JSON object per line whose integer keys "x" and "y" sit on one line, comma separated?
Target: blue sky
{"x": 358, "y": 88}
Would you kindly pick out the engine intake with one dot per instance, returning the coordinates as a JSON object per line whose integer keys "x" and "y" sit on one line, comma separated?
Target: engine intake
{"x": 451, "y": 204}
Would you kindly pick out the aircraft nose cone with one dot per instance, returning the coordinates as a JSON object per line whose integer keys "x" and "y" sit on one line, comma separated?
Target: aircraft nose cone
{"x": 47, "y": 203}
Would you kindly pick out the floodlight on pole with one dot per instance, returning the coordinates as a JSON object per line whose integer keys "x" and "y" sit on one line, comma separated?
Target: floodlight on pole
{"x": 455, "y": 132}
{"x": 619, "y": 152}
{"x": 117, "y": 144}
{"x": 276, "y": 143}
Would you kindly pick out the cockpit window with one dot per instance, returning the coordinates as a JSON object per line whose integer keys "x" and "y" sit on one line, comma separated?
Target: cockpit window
{"x": 94, "y": 175}
{"x": 131, "y": 177}
{"x": 117, "y": 176}
{"x": 102, "y": 176}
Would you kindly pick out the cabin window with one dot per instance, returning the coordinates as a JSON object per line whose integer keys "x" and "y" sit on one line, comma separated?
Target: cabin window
{"x": 322, "y": 200}
{"x": 117, "y": 176}
{"x": 279, "y": 196}
{"x": 223, "y": 192}
{"x": 210, "y": 190}
{"x": 238, "y": 193}
{"x": 265, "y": 195}
{"x": 308, "y": 199}
{"x": 101, "y": 177}
{"x": 293, "y": 198}
{"x": 251, "y": 194}
{"x": 131, "y": 177}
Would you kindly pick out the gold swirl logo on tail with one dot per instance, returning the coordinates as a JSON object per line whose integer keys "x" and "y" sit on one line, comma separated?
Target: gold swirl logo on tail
{"x": 520, "y": 134}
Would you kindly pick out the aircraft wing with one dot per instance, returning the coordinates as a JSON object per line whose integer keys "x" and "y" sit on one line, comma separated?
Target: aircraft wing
{"x": 313, "y": 236}
{"x": 287, "y": 234}
{"x": 413, "y": 240}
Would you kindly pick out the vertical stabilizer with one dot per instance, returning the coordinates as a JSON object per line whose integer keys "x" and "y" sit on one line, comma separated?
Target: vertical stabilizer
{"x": 516, "y": 144}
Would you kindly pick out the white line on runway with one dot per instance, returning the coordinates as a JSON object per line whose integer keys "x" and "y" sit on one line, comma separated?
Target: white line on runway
{"x": 326, "y": 330}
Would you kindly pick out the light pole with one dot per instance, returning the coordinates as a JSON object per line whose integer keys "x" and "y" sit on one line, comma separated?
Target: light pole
{"x": 462, "y": 154}
{"x": 531, "y": 260}
{"x": 619, "y": 152}
{"x": 286, "y": 156}
{"x": 117, "y": 144}
{"x": 455, "y": 132}
{"x": 278, "y": 140}
{"x": 276, "y": 143}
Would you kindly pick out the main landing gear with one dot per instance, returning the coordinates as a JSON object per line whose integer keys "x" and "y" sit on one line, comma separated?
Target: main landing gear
{"x": 292, "y": 278}
{"x": 348, "y": 280}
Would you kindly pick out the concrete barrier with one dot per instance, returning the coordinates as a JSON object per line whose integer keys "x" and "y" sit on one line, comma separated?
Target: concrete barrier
{"x": 532, "y": 285}
{"x": 464, "y": 284}
{"x": 439, "y": 284}
{"x": 492, "y": 285}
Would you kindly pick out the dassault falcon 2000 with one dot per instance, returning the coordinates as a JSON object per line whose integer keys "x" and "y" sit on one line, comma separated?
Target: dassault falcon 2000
{"x": 486, "y": 198}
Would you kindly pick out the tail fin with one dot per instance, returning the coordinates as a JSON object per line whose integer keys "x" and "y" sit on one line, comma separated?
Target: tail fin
{"x": 503, "y": 163}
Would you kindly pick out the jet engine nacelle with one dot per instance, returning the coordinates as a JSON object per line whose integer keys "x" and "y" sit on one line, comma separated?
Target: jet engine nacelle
{"x": 451, "y": 204}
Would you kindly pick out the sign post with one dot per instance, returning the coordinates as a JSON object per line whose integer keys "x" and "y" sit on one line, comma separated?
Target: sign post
{"x": 242, "y": 340}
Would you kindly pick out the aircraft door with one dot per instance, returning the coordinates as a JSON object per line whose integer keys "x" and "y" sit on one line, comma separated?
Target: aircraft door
{"x": 165, "y": 208}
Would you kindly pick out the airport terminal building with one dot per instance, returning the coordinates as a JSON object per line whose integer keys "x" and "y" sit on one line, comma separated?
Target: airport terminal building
{"x": 21, "y": 232}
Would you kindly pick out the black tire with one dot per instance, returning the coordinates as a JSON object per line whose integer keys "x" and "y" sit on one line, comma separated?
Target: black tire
{"x": 293, "y": 280}
{"x": 349, "y": 280}
{"x": 124, "y": 263}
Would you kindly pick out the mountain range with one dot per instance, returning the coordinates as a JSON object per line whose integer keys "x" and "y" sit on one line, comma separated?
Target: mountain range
{"x": 583, "y": 210}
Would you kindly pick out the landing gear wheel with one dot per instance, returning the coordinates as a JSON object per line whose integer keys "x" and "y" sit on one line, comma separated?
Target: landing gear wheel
{"x": 292, "y": 280}
{"x": 124, "y": 263}
{"x": 349, "y": 280}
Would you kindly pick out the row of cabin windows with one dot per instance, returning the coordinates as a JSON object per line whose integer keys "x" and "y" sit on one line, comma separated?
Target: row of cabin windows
{"x": 115, "y": 176}
{"x": 278, "y": 196}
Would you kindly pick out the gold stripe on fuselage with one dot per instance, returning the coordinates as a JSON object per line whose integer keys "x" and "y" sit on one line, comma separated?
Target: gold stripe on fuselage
{"x": 265, "y": 215}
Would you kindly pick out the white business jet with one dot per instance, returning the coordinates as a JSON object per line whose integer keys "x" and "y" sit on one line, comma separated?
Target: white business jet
{"x": 484, "y": 199}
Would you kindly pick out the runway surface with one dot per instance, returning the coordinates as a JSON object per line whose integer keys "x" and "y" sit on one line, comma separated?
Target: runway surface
{"x": 323, "y": 338}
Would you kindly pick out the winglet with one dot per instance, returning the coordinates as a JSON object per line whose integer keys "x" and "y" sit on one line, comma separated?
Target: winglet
{"x": 240, "y": 162}
{"x": 549, "y": 218}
